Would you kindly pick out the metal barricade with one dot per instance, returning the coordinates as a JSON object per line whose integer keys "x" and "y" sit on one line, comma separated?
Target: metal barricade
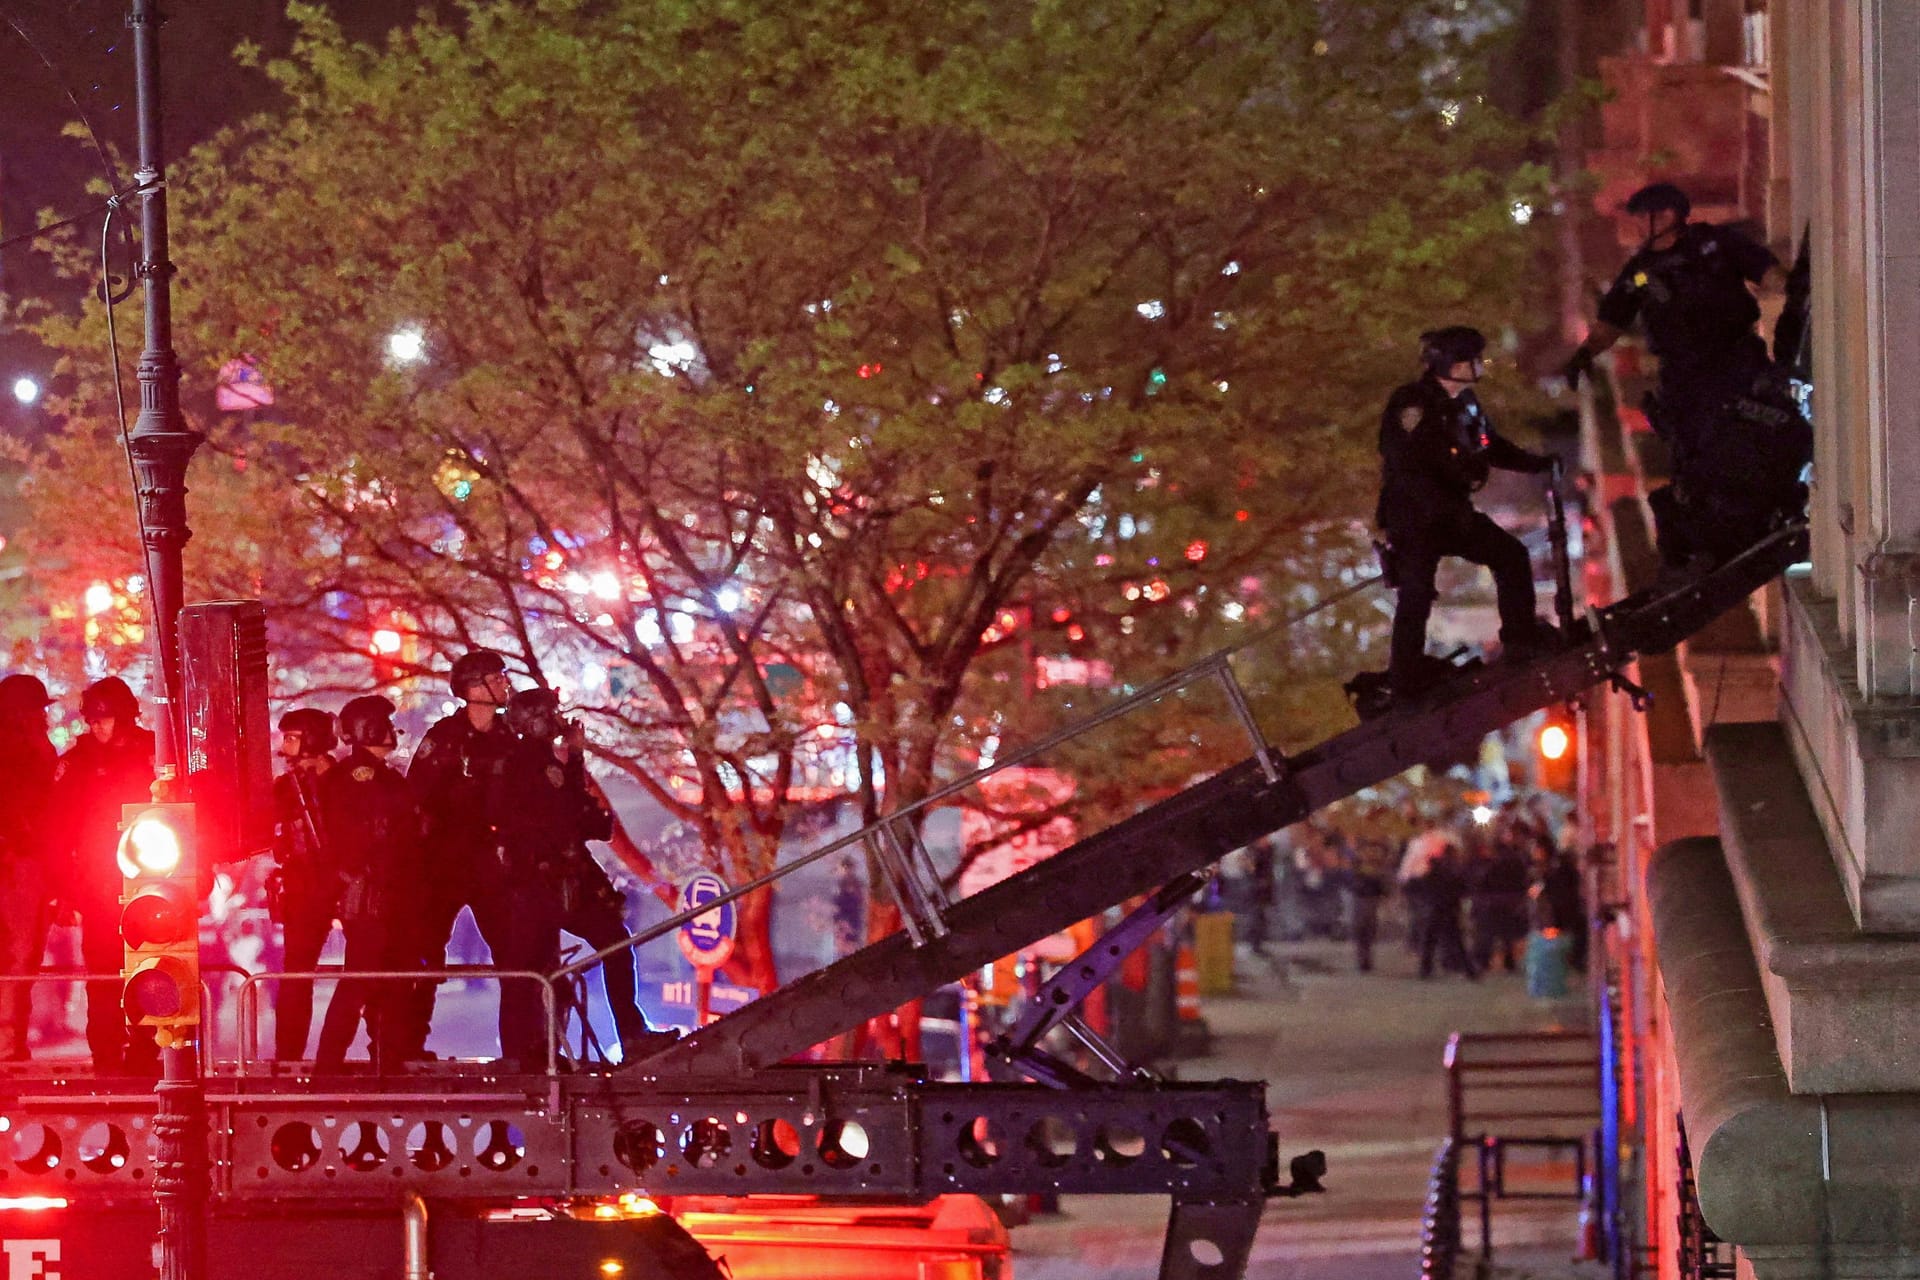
{"x": 1546, "y": 1086}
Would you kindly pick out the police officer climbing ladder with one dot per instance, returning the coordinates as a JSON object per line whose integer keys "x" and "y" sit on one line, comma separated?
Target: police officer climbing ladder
{"x": 1437, "y": 447}
{"x": 1738, "y": 440}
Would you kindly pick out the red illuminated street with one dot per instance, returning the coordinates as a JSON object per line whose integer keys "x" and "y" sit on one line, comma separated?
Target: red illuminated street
{"x": 967, "y": 640}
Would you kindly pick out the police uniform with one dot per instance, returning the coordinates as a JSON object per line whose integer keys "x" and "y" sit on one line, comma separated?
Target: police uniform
{"x": 93, "y": 782}
{"x": 1435, "y": 451}
{"x": 26, "y": 783}
{"x": 373, "y": 828}
{"x": 307, "y": 901}
{"x": 1699, "y": 317}
{"x": 451, "y": 773}
{"x": 544, "y": 813}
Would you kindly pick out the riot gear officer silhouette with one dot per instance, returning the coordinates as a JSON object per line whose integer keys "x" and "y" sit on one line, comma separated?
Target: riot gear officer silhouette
{"x": 451, "y": 772}
{"x": 545, "y": 809}
{"x": 26, "y": 847}
{"x": 373, "y": 830}
{"x": 1690, "y": 286}
{"x": 303, "y": 891}
{"x": 109, "y": 766}
{"x": 1437, "y": 447}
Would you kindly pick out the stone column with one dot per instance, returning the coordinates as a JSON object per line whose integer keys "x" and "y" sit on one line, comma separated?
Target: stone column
{"x": 1888, "y": 522}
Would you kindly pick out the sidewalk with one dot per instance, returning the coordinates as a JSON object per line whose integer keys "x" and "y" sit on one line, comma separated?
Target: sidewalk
{"x": 1353, "y": 1066}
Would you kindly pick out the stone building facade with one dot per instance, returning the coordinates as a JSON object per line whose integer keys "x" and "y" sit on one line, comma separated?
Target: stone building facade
{"x": 1764, "y": 816}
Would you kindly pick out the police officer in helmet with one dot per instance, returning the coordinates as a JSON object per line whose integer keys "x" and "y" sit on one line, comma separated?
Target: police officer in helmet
{"x": 303, "y": 891}
{"x": 26, "y": 871}
{"x": 545, "y": 809}
{"x": 1437, "y": 447}
{"x": 373, "y": 832}
{"x": 1690, "y": 285}
{"x": 108, "y": 767}
{"x": 451, "y": 772}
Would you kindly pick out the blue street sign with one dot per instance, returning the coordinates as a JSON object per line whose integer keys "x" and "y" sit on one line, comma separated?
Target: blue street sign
{"x": 707, "y": 940}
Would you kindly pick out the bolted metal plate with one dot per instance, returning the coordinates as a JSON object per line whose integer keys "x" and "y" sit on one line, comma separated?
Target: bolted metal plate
{"x": 748, "y": 1143}
{"x": 347, "y": 1150}
{"x": 1148, "y": 1139}
{"x": 76, "y": 1148}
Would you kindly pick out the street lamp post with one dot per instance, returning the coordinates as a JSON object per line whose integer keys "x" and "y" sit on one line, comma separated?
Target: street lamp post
{"x": 161, "y": 445}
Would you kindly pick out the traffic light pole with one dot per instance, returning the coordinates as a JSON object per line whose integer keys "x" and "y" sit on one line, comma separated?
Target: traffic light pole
{"x": 162, "y": 445}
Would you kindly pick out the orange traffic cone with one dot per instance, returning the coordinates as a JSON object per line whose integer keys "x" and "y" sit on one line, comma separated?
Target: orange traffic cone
{"x": 1186, "y": 988}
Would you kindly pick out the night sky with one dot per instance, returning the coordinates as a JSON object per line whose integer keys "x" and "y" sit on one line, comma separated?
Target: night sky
{"x": 87, "y": 41}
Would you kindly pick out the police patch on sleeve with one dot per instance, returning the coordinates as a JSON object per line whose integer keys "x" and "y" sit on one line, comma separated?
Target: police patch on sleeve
{"x": 1410, "y": 417}
{"x": 363, "y": 774}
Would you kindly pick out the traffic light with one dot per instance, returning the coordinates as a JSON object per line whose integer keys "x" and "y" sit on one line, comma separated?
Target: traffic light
{"x": 1557, "y": 750}
{"x": 160, "y": 921}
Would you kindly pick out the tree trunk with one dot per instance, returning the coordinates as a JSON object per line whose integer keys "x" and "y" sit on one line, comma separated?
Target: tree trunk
{"x": 753, "y": 964}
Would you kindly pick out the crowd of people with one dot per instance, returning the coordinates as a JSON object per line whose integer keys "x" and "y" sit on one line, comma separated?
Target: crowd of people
{"x": 1475, "y": 886}
{"x": 492, "y": 814}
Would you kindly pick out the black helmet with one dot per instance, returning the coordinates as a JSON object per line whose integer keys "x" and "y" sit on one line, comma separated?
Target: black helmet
{"x": 472, "y": 667}
{"x": 535, "y": 713}
{"x": 109, "y": 697}
{"x": 1441, "y": 349}
{"x": 314, "y": 728}
{"x": 1655, "y": 196}
{"x": 367, "y": 721}
{"x": 22, "y": 695}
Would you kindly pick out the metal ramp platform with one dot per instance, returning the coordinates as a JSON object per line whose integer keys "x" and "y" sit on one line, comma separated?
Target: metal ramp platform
{"x": 723, "y": 1112}
{"x": 1195, "y": 827}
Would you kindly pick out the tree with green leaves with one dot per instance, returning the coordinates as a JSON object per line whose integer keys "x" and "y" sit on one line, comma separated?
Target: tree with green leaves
{"x": 757, "y": 359}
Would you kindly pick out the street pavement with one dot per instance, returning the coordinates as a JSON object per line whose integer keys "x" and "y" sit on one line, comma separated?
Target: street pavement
{"x": 1353, "y": 1067}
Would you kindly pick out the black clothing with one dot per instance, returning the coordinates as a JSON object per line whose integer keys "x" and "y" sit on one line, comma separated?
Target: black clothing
{"x": 373, "y": 829}
{"x": 595, "y": 912}
{"x": 1561, "y": 889}
{"x": 1699, "y": 316}
{"x": 308, "y": 899}
{"x": 1499, "y": 907}
{"x": 92, "y": 782}
{"x": 1444, "y": 888}
{"x": 1692, "y": 295}
{"x": 451, "y": 773}
{"x": 1435, "y": 450}
{"x": 1417, "y": 554}
{"x": 544, "y": 813}
{"x": 26, "y": 846}
{"x": 1367, "y": 884}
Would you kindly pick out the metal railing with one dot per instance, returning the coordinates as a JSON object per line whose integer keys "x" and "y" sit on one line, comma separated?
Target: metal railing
{"x": 1547, "y": 1083}
{"x": 912, "y": 880}
{"x": 1703, "y": 1256}
{"x": 116, "y": 978}
{"x": 1440, "y": 1219}
{"x": 1539, "y": 1078}
{"x": 248, "y": 1055}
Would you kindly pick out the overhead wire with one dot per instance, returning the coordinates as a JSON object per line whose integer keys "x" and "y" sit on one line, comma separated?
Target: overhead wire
{"x": 109, "y": 296}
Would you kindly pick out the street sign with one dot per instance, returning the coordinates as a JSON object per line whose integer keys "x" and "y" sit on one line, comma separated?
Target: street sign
{"x": 707, "y": 939}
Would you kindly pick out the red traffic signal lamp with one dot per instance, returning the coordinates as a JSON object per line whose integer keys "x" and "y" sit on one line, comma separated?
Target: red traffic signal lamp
{"x": 1557, "y": 751}
{"x": 160, "y": 921}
